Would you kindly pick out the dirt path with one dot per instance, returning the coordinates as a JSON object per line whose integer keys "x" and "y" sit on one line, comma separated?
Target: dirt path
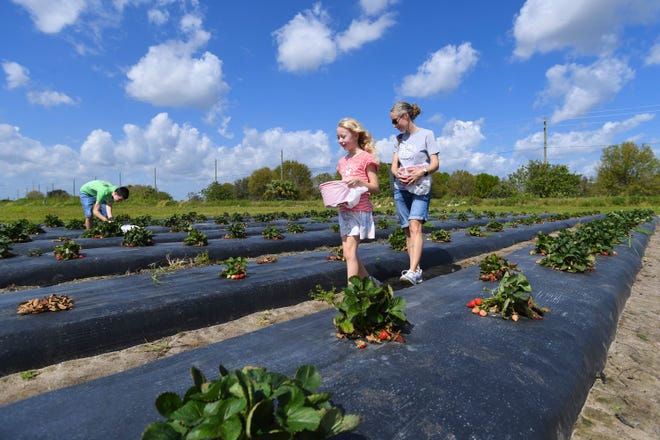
{"x": 625, "y": 403}
{"x": 629, "y": 394}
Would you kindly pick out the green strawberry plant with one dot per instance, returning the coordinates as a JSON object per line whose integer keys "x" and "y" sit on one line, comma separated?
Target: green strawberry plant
{"x": 252, "y": 403}
{"x": 177, "y": 222}
{"x": 195, "y": 238}
{"x": 440, "y": 236}
{"x": 53, "y": 221}
{"x": 544, "y": 244}
{"x": 74, "y": 224}
{"x": 236, "y": 230}
{"x": 295, "y": 228}
{"x": 69, "y": 250}
{"x": 16, "y": 231}
{"x": 143, "y": 220}
{"x": 397, "y": 239}
{"x": 222, "y": 219}
{"x": 103, "y": 230}
{"x": 236, "y": 268}
{"x": 512, "y": 298}
{"x": 238, "y": 217}
{"x": 138, "y": 236}
{"x": 569, "y": 253}
{"x": 366, "y": 310}
{"x": 475, "y": 231}
{"x": 494, "y": 226}
{"x": 5, "y": 247}
{"x": 462, "y": 216}
{"x": 493, "y": 268}
{"x": 272, "y": 232}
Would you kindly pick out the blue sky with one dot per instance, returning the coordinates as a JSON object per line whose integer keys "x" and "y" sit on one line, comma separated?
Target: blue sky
{"x": 159, "y": 92}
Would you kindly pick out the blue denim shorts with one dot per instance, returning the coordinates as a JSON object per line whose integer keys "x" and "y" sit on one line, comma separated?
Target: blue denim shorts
{"x": 410, "y": 206}
{"x": 87, "y": 203}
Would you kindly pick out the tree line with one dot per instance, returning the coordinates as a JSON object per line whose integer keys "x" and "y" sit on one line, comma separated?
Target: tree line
{"x": 624, "y": 170}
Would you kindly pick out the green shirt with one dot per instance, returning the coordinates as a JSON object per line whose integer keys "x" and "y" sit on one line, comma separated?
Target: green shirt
{"x": 99, "y": 189}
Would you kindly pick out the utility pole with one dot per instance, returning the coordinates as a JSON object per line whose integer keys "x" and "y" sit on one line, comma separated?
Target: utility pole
{"x": 545, "y": 141}
{"x": 155, "y": 185}
{"x": 281, "y": 165}
{"x": 216, "y": 171}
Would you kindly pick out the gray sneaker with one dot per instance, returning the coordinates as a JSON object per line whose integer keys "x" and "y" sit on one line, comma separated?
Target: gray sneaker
{"x": 412, "y": 277}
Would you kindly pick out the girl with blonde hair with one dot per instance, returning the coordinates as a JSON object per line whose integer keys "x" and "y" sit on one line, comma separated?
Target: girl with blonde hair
{"x": 358, "y": 169}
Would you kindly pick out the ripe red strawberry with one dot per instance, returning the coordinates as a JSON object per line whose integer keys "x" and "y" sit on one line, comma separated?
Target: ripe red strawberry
{"x": 477, "y": 301}
{"x": 470, "y": 304}
{"x": 384, "y": 335}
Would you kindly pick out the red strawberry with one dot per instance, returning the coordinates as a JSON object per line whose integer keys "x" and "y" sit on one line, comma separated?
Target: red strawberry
{"x": 477, "y": 301}
{"x": 384, "y": 335}
{"x": 470, "y": 304}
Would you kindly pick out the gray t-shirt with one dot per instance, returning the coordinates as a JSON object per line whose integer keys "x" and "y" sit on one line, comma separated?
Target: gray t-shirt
{"x": 415, "y": 150}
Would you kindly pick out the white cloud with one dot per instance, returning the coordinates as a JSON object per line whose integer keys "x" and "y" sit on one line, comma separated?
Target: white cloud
{"x": 363, "y": 31}
{"x": 589, "y": 27}
{"x": 49, "y": 98}
{"x": 158, "y": 16}
{"x": 98, "y": 149}
{"x": 51, "y": 16}
{"x": 442, "y": 72}
{"x": 583, "y": 87}
{"x": 170, "y": 75}
{"x": 17, "y": 75}
{"x": 257, "y": 149}
{"x": 20, "y": 155}
{"x": 305, "y": 42}
{"x": 654, "y": 55}
{"x": 375, "y": 7}
{"x": 457, "y": 143}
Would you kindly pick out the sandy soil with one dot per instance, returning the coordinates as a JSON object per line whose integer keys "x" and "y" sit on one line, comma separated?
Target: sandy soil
{"x": 623, "y": 403}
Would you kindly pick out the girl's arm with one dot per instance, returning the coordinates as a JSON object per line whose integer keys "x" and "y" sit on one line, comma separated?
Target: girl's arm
{"x": 372, "y": 185}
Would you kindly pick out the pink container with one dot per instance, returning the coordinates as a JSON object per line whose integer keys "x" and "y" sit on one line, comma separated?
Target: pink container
{"x": 334, "y": 193}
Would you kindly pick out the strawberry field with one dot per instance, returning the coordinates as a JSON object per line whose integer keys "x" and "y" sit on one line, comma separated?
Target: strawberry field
{"x": 545, "y": 317}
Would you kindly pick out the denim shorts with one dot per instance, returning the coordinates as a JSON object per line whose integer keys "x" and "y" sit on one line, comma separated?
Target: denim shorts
{"x": 87, "y": 203}
{"x": 410, "y": 206}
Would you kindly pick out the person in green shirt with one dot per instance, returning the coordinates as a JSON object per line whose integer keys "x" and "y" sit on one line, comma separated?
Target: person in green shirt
{"x": 97, "y": 197}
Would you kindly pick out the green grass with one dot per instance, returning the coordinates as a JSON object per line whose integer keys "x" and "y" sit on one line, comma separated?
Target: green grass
{"x": 69, "y": 208}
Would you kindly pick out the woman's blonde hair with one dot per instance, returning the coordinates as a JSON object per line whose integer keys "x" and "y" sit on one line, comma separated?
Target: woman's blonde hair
{"x": 365, "y": 141}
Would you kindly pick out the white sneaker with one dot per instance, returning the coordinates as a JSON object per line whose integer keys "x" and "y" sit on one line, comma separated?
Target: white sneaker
{"x": 412, "y": 277}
